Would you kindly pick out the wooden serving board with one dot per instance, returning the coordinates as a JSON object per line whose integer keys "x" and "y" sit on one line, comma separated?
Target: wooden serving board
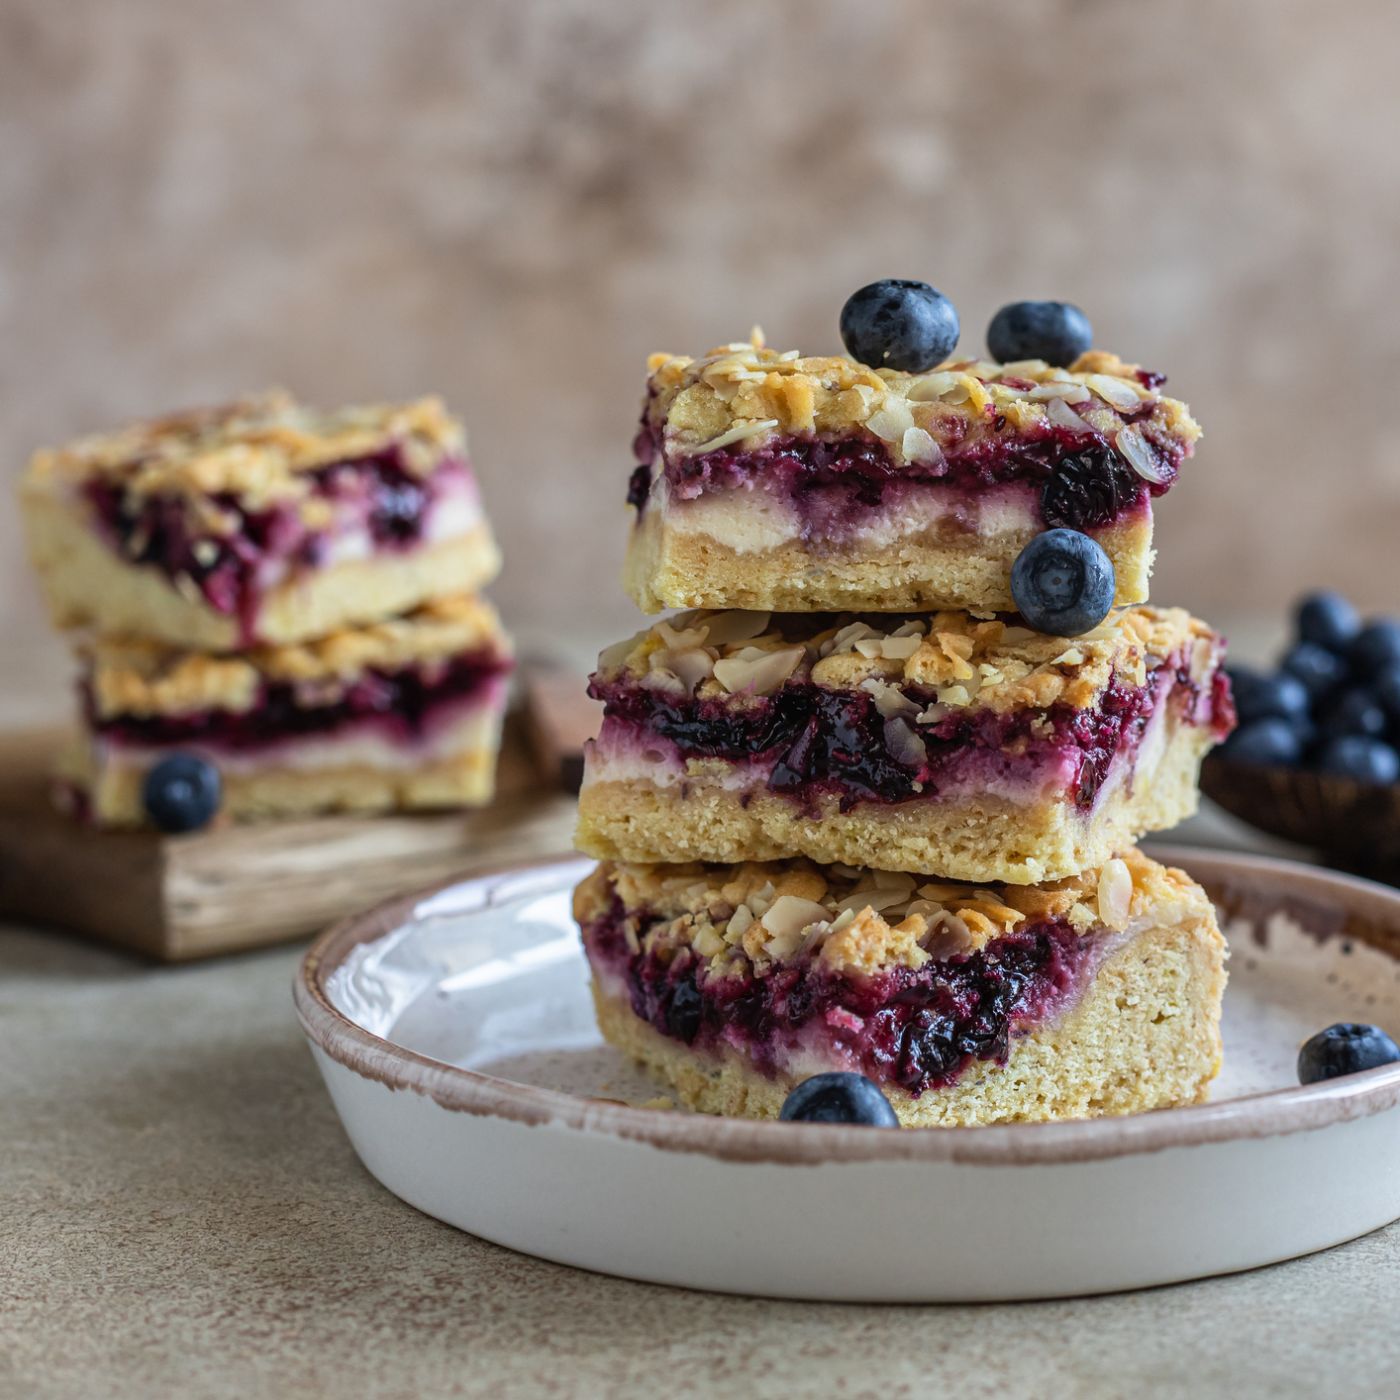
{"x": 236, "y": 887}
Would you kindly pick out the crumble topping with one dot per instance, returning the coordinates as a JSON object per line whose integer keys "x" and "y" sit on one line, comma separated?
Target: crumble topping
{"x": 131, "y": 677}
{"x": 734, "y": 917}
{"x": 746, "y": 392}
{"x": 964, "y": 659}
{"x": 256, "y": 448}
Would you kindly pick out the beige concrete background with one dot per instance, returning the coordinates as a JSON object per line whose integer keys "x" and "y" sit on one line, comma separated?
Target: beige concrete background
{"x": 512, "y": 203}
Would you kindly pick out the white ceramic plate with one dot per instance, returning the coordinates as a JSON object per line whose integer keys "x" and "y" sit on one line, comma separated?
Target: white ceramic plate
{"x": 456, "y": 1036}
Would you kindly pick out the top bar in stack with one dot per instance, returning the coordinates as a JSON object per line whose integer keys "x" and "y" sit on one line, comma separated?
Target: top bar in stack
{"x": 768, "y": 480}
{"x": 261, "y": 521}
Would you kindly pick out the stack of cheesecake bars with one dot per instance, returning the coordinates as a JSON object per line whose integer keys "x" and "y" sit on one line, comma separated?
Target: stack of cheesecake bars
{"x": 276, "y": 612}
{"x": 854, "y": 815}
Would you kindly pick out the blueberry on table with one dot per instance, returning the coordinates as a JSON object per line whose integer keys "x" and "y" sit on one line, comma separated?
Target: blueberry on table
{"x": 1327, "y": 620}
{"x": 1320, "y": 670}
{"x": 1063, "y": 583}
{"x": 1361, "y": 759}
{"x": 1356, "y": 712}
{"x": 1053, "y": 331}
{"x": 181, "y": 793}
{"x": 1272, "y": 742}
{"x": 899, "y": 324}
{"x": 1261, "y": 696}
{"x": 1377, "y": 647}
{"x": 1346, "y": 1048}
{"x": 839, "y": 1097}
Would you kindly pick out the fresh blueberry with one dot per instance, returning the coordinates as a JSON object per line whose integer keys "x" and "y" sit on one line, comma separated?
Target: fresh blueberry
{"x": 1362, "y": 759}
{"x": 1327, "y": 620}
{"x": 1354, "y": 712}
{"x": 1377, "y": 647}
{"x": 899, "y": 324}
{"x": 1346, "y": 1048}
{"x": 1063, "y": 583}
{"x": 1271, "y": 742}
{"x": 1261, "y": 696}
{"x": 1387, "y": 691}
{"x": 181, "y": 793}
{"x": 839, "y": 1098}
{"x": 1321, "y": 671}
{"x": 1053, "y": 331}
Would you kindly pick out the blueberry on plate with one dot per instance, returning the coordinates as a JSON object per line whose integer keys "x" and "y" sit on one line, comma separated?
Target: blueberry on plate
{"x": 1272, "y": 742}
{"x": 1359, "y": 758}
{"x": 1327, "y": 620}
{"x": 181, "y": 793}
{"x": 899, "y": 324}
{"x": 1355, "y": 712}
{"x": 1346, "y": 1048}
{"x": 1319, "y": 670}
{"x": 1377, "y": 647}
{"x": 1053, "y": 331}
{"x": 1261, "y": 696}
{"x": 839, "y": 1097}
{"x": 1063, "y": 583}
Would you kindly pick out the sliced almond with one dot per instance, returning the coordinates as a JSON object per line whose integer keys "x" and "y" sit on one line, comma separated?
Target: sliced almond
{"x": 760, "y": 675}
{"x": 918, "y": 446}
{"x": 725, "y": 628}
{"x": 1117, "y": 392}
{"x": 789, "y": 916}
{"x": 1115, "y": 893}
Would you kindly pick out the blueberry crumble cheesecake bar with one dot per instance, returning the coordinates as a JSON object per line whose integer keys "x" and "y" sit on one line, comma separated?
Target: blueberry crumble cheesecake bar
{"x": 767, "y": 479}
{"x": 1099, "y": 994}
{"x": 405, "y": 713}
{"x": 943, "y": 742}
{"x": 260, "y": 521}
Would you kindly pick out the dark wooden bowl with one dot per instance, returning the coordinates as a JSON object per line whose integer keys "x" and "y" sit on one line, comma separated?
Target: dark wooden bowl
{"x": 1355, "y": 825}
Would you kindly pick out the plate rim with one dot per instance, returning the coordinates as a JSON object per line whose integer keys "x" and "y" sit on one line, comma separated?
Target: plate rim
{"x": 1276, "y": 1112}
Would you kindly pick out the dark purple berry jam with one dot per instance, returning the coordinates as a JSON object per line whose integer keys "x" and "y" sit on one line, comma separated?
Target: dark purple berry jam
{"x": 402, "y": 704}
{"x": 1083, "y": 480}
{"x": 918, "y": 1028}
{"x": 817, "y": 741}
{"x": 158, "y": 530}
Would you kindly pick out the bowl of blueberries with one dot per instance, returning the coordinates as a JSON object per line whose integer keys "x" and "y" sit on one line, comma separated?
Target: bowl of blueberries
{"x": 1316, "y": 756}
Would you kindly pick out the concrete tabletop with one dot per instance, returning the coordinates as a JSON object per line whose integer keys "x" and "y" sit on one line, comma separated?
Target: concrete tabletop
{"x": 180, "y": 1213}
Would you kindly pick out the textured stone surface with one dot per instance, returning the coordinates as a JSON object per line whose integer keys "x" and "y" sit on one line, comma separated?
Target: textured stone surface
{"x": 514, "y": 203}
{"x": 181, "y": 1214}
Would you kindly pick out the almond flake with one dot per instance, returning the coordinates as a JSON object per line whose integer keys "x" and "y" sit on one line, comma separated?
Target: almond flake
{"x": 1117, "y": 392}
{"x": 745, "y": 428}
{"x": 1143, "y": 460}
{"x": 900, "y": 648}
{"x": 725, "y": 628}
{"x": 1115, "y": 893}
{"x": 790, "y": 915}
{"x": 919, "y": 446}
{"x": 760, "y": 675}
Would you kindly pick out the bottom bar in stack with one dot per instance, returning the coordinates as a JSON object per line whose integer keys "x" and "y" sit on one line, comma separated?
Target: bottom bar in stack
{"x": 1099, "y": 994}
{"x": 403, "y": 714}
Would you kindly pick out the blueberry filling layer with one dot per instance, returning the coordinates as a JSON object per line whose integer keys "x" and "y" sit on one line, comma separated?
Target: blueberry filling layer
{"x": 915, "y": 1027}
{"x": 815, "y": 741}
{"x": 1077, "y": 480}
{"x": 158, "y": 529}
{"x": 402, "y": 705}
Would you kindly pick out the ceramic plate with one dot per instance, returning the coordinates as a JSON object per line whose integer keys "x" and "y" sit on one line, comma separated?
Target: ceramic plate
{"x": 456, "y": 1036}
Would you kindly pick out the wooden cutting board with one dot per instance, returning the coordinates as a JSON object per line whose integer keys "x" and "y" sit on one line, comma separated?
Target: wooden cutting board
{"x": 174, "y": 898}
